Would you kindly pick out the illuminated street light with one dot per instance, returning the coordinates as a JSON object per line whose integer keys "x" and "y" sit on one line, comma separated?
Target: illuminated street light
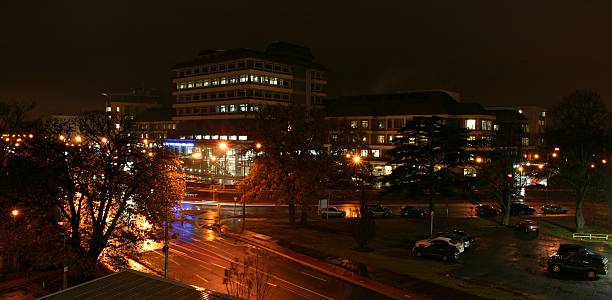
{"x": 104, "y": 140}
{"x": 478, "y": 160}
{"x": 348, "y": 155}
{"x": 592, "y": 166}
{"x": 30, "y": 135}
{"x": 78, "y": 139}
{"x": 554, "y": 155}
{"x": 61, "y": 137}
{"x": 14, "y": 212}
{"x": 540, "y": 167}
{"x": 520, "y": 169}
{"x": 603, "y": 161}
{"x": 556, "y": 148}
{"x": 258, "y": 145}
{"x": 536, "y": 156}
{"x": 150, "y": 153}
{"x": 145, "y": 141}
{"x": 213, "y": 158}
{"x": 223, "y": 145}
{"x": 356, "y": 159}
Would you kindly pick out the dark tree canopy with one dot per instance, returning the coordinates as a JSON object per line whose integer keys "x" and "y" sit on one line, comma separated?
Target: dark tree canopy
{"x": 301, "y": 154}
{"x": 426, "y": 156}
{"x": 580, "y": 127}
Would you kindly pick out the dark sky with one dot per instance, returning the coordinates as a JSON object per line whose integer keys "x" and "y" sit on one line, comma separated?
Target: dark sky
{"x": 62, "y": 54}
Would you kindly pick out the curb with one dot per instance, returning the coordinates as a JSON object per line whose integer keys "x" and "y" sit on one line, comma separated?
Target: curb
{"x": 397, "y": 294}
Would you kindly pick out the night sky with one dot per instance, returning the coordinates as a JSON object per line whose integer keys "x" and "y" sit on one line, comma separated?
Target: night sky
{"x": 62, "y": 54}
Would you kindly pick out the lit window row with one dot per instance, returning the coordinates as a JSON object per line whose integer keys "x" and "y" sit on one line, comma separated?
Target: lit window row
{"x": 232, "y": 80}
{"x": 485, "y": 125}
{"x": 232, "y": 108}
{"x": 221, "y": 137}
{"x": 234, "y": 65}
{"x": 233, "y": 94}
{"x": 156, "y": 126}
{"x": 377, "y": 124}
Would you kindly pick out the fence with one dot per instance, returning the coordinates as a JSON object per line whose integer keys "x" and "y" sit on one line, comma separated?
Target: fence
{"x": 590, "y": 236}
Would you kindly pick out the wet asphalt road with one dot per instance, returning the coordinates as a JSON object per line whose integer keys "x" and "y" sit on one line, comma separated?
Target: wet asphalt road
{"x": 517, "y": 261}
{"x": 199, "y": 257}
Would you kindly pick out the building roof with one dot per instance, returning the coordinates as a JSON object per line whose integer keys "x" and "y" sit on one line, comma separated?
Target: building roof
{"x": 434, "y": 102}
{"x": 129, "y": 284}
{"x": 276, "y": 51}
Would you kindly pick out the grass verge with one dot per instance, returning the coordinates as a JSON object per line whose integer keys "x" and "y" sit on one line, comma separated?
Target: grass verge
{"x": 395, "y": 238}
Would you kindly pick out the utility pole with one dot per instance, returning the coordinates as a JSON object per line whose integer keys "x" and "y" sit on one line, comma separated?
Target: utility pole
{"x": 65, "y": 277}
{"x": 166, "y": 245}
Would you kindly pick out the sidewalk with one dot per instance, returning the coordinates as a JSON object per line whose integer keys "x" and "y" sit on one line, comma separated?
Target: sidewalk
{"x": 269, "y": 244}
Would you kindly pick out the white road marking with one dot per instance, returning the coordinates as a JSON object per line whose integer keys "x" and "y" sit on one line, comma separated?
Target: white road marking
{"x": 315, "y": 277}
{"x": 202, "y": 278}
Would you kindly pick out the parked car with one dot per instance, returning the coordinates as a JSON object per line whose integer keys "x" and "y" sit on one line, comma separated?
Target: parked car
{"x": 553, "y": 209}
{"x": 377, "y": 210}
{"x": 437, "y": 249}
{"x": 458, "y": 235}
{"x": 528, "y": 226}
{"x": 521, "y": 208}
{"x": 332, "y": 212}
{"x": 483, "y": 210}
{"x": 578, "y": 259}
{"x": 451, "y": 242}
{"x": 411, "y": 211}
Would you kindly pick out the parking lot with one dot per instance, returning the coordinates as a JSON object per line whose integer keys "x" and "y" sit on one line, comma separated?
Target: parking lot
{"x": 517, "y": 261}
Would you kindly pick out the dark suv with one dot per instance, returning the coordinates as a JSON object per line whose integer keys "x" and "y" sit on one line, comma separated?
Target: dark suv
{"x": 578, "y": 259}
{"x": 483, "y": 210}
{"x": 520, "y": 208}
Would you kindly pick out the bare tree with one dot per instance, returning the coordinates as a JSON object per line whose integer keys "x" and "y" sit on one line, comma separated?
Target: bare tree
{"x": 580, "y": 127}
{"x": 250, "y": 277}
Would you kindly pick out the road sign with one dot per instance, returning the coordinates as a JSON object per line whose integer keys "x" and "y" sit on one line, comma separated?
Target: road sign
{"x": 323, "y": 203}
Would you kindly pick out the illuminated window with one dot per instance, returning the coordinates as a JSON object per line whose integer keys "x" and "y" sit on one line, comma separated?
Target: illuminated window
{"x": 233, "y": 138}
{"x": 469, "y": 172}
{"x": 412, "y": 140}
{"x": 242, "y": 138}
{"x": 190, "y": 85}
{"x": 273, "y": 80}
{"x": 376, "y": 153}
{"x": 353, "y": 124}
{"x": 198, "y": 83}
{"x": 525, "y": 141}
{"x": 244, "y": 78}
{"x": 215, "y": 82}
{"x": 380, "y": 139}
{"x": 244, "y": 107}
{"x": 232, "y": 108}
{"x": 109, "y": 109}
{"x": 206, "y": 82}
{"x": 380, "y": 124}
{"x": 223, "y": 80}
{"x": 364, "y": 153}
{"x": 365, "y": 124}
{"x": 543, "y": 114}
{"x": 496, "y": 127}
{"x": 470, "y": 124}
{"x": 471, "y": 138}
{"x": 487, "y": 125}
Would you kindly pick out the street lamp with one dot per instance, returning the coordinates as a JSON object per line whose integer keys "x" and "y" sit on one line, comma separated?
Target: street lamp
{"x": 15, "y": 213}
{"x": 78, "y": 139}
{"x": 478, "y": 160}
